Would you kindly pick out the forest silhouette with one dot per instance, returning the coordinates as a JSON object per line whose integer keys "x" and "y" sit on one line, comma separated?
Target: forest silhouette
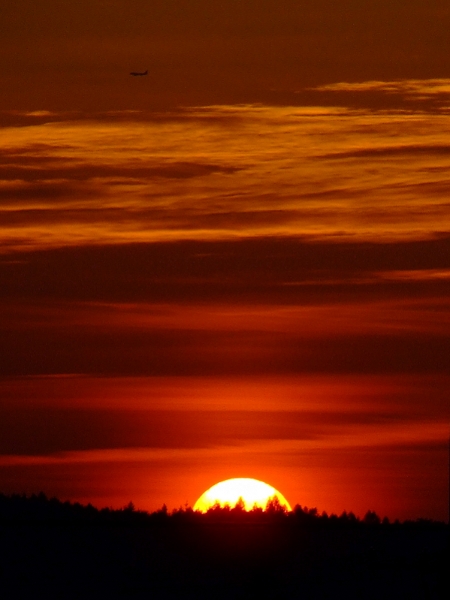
{"x": 67, "y": 550}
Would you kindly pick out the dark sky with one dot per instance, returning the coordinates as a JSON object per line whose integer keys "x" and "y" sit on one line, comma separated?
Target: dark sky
{"x": 56, "y": 54}
{"x": 235, "y": 266}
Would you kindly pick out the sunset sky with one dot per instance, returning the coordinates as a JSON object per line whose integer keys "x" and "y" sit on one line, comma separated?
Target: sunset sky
{"x": 235, "y": 266}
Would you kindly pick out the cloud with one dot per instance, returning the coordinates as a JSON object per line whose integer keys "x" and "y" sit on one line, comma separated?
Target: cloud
{"x": 47, "y": 171}
{"x": 404, "y": 96}
{"x": 406, "y": 150}
{"x": 218, "y": 340}
{"x": 196, "y": 174}
{"x": 288, "y": 269}
{"x": 414, "y": 88}
{"x": 35, "y": 171}
{"x": 417, "y": 275}
{"x": 58, "y": 433}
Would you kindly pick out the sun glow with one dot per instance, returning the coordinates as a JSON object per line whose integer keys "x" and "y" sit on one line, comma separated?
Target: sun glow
{"x": 229, "y": 492}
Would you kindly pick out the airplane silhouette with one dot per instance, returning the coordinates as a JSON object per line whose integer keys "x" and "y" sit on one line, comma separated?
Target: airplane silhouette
{"x": 138, "y": 74}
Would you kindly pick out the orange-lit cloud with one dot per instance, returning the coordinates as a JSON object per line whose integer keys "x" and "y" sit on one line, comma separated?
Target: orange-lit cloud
{"x": 200, "y": 175}
{"x": 416, "y": 88}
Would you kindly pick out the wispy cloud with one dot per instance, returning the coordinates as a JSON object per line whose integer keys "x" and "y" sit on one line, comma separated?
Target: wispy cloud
{"x": 225, "y": 172}
{"x": 353, "y": 437}
{"x": 409, "y": 88}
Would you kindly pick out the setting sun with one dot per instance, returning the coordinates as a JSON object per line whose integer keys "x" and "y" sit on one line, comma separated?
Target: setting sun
{"x": 253, "y": 493}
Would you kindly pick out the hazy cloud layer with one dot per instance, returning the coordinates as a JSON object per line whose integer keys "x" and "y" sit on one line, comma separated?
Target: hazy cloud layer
{"x": 46, "y": 431}
{"x": 226, "y": 172}
{"x": 265, "y": 270}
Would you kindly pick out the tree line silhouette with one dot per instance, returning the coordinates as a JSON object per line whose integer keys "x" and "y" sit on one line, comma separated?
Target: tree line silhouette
{"x": 71, "y": 551}
{"x": 40, "y": 508}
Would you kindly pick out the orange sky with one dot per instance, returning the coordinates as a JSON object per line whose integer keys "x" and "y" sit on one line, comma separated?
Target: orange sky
{"x": 237, "y": 266}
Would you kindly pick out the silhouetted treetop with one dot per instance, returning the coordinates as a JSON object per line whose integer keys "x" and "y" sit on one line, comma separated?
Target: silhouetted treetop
{"x": 38, "y": 508}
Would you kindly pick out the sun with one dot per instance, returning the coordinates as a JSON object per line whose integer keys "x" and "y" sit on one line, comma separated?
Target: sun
{"x": 253, "y": 493}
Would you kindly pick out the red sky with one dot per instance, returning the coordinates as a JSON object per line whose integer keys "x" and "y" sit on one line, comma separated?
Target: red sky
{"x": 236, "y": 266}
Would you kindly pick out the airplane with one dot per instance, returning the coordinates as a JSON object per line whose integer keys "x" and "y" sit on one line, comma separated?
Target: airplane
{"x": 138, "y": 74}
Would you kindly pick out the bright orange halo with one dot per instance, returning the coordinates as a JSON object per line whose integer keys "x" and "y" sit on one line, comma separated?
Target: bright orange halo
{"x": 253, "y": 493}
